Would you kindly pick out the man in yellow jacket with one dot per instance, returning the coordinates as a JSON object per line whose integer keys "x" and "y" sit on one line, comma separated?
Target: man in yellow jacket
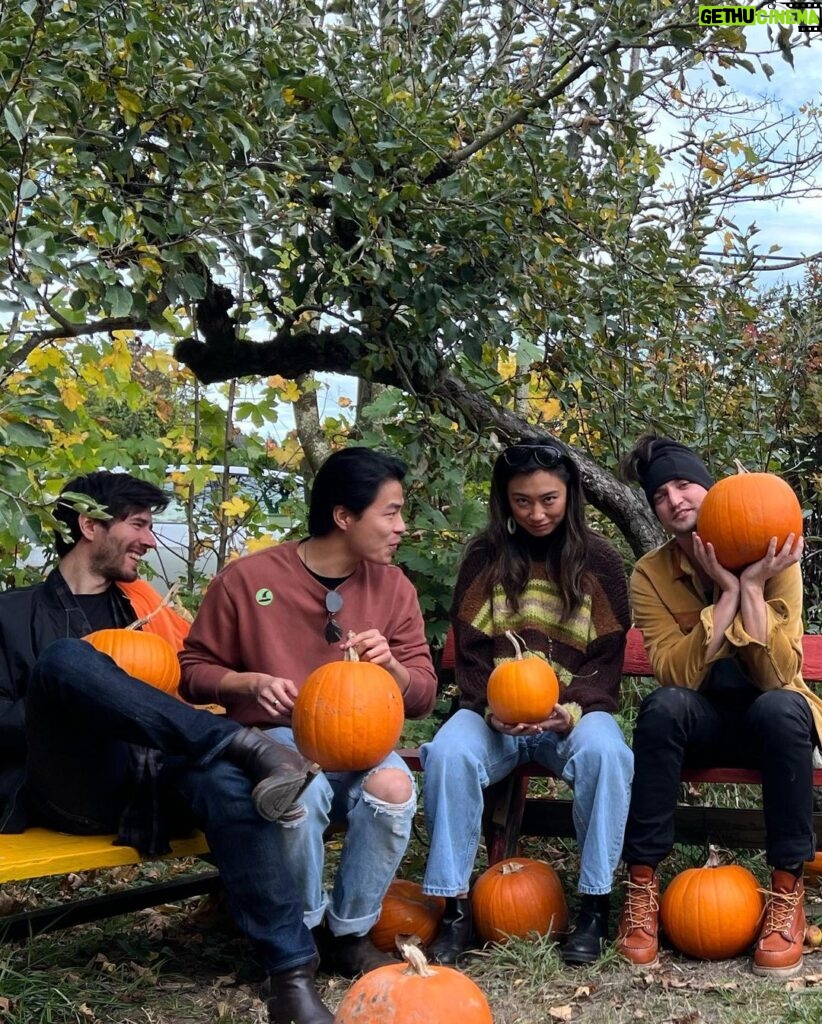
{"x": 726, "y": 650}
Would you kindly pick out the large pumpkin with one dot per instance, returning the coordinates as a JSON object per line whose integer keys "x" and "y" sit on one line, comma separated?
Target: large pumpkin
{"x": 146, "y": 656}
{"x": 518, "y": 897}
{"x": 740, "y": 514}
{"x": 348, "y": 715}
{"x": 414, "y": 992}
{"x": 406, "y": 910}
{"x": 712, "y": 912}
{"x": 524, "y": 689}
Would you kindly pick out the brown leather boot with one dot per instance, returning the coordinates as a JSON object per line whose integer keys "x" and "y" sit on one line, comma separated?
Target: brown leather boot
{"x": 638, "y": 934}
{"x": 778, "y": 952}
{"x": 280, "y": 774}
{"x": 291, "y": 997}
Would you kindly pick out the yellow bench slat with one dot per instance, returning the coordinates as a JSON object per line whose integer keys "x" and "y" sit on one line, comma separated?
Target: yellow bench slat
{"x": 38, "y": 852}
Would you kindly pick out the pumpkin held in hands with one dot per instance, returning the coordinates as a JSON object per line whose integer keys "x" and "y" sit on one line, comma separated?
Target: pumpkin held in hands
{"x": 348, "y": 715}
{"x": 741, "y": 514}
{"x": 524, "y": 689}
{"x": 415, "y": 992}
{"x": 518, "y": 897}
{"x": 712, "y": 912}
{"x": 146, "y": 656}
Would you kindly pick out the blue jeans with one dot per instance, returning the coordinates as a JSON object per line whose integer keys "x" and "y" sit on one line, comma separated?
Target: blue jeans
{"x": 376, "y": 838}
{"x": 82, "y": 711}
{"x": 467, "y": 755}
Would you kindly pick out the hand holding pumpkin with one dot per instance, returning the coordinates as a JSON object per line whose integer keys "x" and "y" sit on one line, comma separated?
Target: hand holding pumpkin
{"x": 775, "y": 561}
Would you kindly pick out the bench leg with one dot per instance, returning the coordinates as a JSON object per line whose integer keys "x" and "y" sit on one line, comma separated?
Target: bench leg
{"x": 502, "y": 817}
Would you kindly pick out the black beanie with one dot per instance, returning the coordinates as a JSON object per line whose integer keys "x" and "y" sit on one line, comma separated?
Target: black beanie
{"x": 671, "y": 461}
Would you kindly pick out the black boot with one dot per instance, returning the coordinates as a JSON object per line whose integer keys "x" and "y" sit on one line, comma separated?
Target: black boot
{"x": 279, "y": 772}
{"x": 455, "y": 932}
{"x": 585, "y": 943}
{"x": 291, "y": 997}
{"x": 350, "y": 955}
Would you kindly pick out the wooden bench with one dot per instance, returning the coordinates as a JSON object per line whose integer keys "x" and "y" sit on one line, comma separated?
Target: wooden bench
{"x": 510, "y": 812}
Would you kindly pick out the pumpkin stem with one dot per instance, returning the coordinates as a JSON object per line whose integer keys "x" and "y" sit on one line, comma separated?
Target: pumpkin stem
{"x": 415, "y": 958}
{"x": 172, "y": 593}
{"x": 350, "y": 654}
{"x": 714, "y": 859}
{"x": 739, "y": 467}
{"x": 510, "y": 867}
{"x": 516, "y": 640}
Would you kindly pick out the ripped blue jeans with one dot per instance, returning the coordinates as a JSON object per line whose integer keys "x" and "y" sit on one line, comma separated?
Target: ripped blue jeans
{"x": 375, "y": 841}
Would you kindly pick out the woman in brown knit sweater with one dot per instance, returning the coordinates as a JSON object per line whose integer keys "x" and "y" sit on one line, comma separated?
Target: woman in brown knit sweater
{"x": 538, "y": 571}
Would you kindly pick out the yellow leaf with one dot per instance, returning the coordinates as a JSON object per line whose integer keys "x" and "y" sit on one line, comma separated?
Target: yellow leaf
{"x": 235, "y": 506}
{"x": 276, "y": 381}
{"x": 151, "y": 264}
{"x": 71, "y": 396}
{"x": 259, "y": 543}
{"x": 129, "y": 102}
{"x": 41, "y": 358}
{"x": 290, "y": 393}
{"x": 290, "y": 97}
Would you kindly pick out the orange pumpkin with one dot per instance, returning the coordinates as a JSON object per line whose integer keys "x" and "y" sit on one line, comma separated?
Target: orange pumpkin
{"x": 348, "y": 715}
{"x": 518, "y": 897}
{"x": 406, "y": 910}
{"x": 414, "y": 992}
{"x": 740, "y": 514}
{"x": 524, "y": 689}
{"x": 814, "y": 867}
{"x": 146, "y": 656}
{"x": 712, "y": 912}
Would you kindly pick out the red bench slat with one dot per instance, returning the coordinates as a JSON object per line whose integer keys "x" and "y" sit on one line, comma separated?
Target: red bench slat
{"x": 636, "y": 661}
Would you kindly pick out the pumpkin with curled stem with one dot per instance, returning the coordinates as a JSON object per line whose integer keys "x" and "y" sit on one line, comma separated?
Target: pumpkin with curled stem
{"x": 348, "y": 715}
{"x": 518, "y": 897}
{"x": 712, "y": 912}
{"x": 741, "y": 514}
{"x": 146, "y": 656}
{"x": 414, "y": 992}
{"x": 524, "y": 689}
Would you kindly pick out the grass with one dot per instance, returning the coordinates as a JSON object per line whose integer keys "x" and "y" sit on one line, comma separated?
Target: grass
{"x": 170, "y": 966}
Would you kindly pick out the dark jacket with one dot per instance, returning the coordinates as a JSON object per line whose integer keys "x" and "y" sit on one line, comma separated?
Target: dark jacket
{"x": 30, "y": 619}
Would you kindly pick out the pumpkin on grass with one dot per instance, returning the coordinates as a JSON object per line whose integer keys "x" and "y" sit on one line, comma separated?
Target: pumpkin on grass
{"x": 146, "y": 656}
{"x": 741, "y": 514}
{"x": 348, "y": 715}
{"x": 524, "y": 689}
{"x": 712, "y": 912}
{"x": 518, "y": 897}
{"x": 414, "y": 992}
{"x": 406, "y": 910}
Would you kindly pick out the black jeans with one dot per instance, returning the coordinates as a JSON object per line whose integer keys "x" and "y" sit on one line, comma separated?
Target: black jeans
{"x": 730, "y": 723}
{"x": 82, "y": 711}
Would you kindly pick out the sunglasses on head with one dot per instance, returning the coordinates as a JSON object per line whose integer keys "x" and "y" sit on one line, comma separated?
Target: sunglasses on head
{"x": 333, "y": 631}
{"x": 546, "y": 455}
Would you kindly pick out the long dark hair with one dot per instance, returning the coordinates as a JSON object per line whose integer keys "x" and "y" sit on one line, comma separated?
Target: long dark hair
{"x": 508, "y": 556}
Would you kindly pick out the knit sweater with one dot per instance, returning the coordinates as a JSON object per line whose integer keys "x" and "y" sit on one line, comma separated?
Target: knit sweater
{"x": 586, "y": 649}
{"x": 266, "y": 613}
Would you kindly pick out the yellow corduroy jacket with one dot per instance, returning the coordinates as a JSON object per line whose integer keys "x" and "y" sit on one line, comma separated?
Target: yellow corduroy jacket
{"x": 675, "y": 615}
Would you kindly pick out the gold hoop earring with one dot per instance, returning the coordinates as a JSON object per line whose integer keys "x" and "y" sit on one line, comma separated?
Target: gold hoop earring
{"x": 510, "y": 525}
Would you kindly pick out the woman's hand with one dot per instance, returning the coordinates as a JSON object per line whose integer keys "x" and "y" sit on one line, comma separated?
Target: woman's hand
{"x": 559, "y": 721}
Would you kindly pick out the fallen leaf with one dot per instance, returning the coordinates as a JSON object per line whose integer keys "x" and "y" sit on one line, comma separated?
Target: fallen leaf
{"x": 561, "y": 1012}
